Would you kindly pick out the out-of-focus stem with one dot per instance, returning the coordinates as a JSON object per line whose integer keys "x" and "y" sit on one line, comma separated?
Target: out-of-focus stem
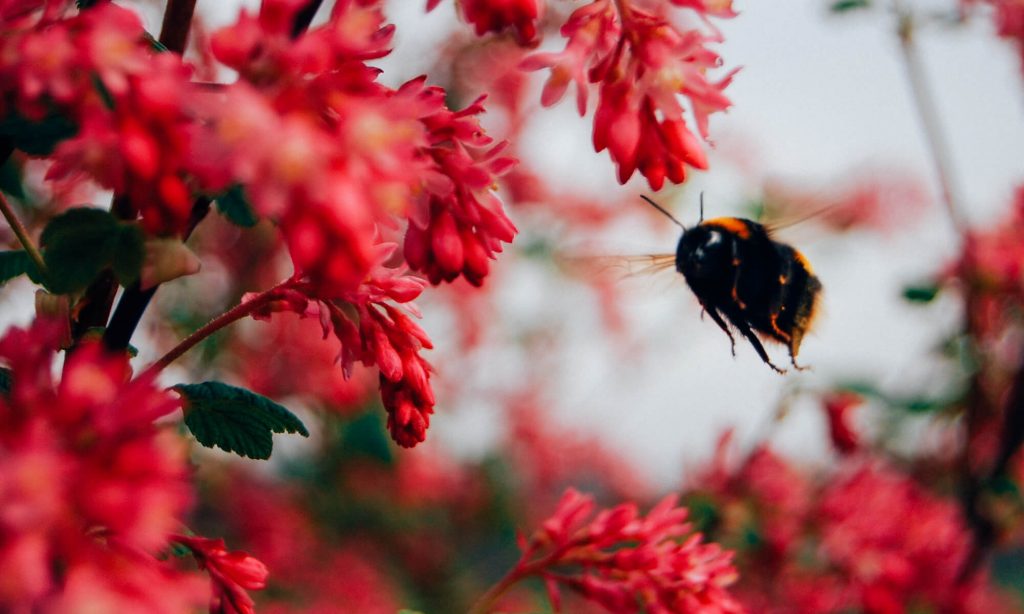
{"x": 135, "y": 300}
{"x": 522, "y": 570}
{"x": 22, "y": 233}
{"x": 234, "y": 314}
{"x": 304, "y": 17}
{"x": 929, "y": 117}
{"x": 176, "y": 25}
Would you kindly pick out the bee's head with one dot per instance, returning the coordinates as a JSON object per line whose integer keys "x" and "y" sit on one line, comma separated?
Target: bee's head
{"x": 704, "y": 252}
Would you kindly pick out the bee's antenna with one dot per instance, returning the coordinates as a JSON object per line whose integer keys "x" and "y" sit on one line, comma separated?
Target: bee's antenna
{"x": 660, "y": 208}
{"x": 701, "y": 207}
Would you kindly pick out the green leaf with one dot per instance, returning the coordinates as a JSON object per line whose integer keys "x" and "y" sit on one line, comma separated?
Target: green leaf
{"x": 234, "y": 205}
{"x": 235, "y": 419}
{"x": 11, "y": 178}
{"x": 921, "y": 294}
{"x": 129, "y": 254}
{"x": 37, "y": 138}
{"x": 13, "y": 264}
{"x": 82, "y": 242}
{"x": 6, "y": 381}
{"x": 843, "y": 6}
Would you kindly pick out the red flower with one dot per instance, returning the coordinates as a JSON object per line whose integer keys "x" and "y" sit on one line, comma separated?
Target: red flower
{"x": 497, "y": 15}
{"x": 458, "y": 225}
{"x": 641, "y": 63}
{"x": 89, "y": 486}
{"x": 837, "y": 409}
{"x": 231, "y": 574}
{"x": 374, "y": 332}
{"x": 627, "y": 562}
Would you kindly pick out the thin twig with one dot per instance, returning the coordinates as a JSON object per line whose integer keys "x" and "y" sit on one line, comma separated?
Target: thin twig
{"x": 176, "y": 25}
{"x": 929, "y": 117}
{"x": 234, "y": 314}
{"x": 22, "y": 233}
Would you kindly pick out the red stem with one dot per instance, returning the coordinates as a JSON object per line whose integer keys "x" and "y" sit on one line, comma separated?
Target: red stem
{"x": 234, "y": 314}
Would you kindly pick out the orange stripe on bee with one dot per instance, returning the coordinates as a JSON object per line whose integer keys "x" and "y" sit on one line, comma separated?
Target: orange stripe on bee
{"x": 731, "y": 224}
{"x": 803, "y": 261}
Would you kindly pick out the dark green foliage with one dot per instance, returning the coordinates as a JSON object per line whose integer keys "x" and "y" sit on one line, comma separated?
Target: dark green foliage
{"x": 234, "y": 205}
{"x": 921, "y": 294}
{"x": 911, "y": 404}
{"x": 82, "y": 242}
{"x": 235, "y": 419}
{"x": 15, "y": 263}
{"x": 6, "y": 381}
{"x": 845, "y": 6}
{"x": 37, "y": 138}
{"x": 11, "y": 178}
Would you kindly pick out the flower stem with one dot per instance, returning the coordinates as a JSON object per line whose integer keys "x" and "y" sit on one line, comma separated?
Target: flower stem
{"x": 234, "y": 314}
{"x": 929, "y": 117}
{"x": 486, "y": 601}
{"x": 176, "y": 25}
{"x": 135, "y": 300}
{"x": 523, "y": 569}
{"x": 304, "y": 17}
{"x": 22, "y": 233}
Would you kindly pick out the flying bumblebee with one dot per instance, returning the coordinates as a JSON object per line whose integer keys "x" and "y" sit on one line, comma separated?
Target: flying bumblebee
{"x": 744, "y": 278}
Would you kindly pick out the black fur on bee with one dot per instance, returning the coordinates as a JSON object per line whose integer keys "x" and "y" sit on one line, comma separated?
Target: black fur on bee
{"x": 747, "y": 281}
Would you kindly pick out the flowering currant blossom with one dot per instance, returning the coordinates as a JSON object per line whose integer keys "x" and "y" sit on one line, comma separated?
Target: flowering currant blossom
{"x": 231, "y": 573}
{"x": 96, "y": 72}
{"x": 521, "y": 16}
{"x": 642, "y": 63}
{"x": 374, "y": 332}
{"x": 628, "y": 562}
{"x": 339, "y": 160}
{"x": 90, "y": 488}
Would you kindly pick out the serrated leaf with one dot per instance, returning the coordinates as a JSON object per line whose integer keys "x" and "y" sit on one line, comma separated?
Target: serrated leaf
{"x": 921, "y": 294}
{"x": 11, "y": 178}
{"x": 234, "y": 205}
{"x": 37, "y": 138}
{"x": 6, "y": 381}
{"x": 82, "y": 242}
{"x": 843, "y": 6}
{"x": 235, "y": 419}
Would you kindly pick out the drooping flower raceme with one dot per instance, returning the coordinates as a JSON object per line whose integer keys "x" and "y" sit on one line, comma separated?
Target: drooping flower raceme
{"x": 642, "y": 63}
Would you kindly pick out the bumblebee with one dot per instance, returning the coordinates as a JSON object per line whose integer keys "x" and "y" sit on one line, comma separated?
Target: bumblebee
{"x": 747, "y": 281}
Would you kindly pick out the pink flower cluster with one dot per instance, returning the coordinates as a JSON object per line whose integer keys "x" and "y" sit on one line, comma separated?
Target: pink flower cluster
{"x": 865, "y": 537}
{"x": 231, "y": 573}
{"x": 521, "y": 16}
{"x": 335, "y": 156}
{"x": 628, "y": 562}
{"x": 374, "y": 332}
{"x": 90, "y": 488}
{"x": 96, "y": 70}
{"x": 642, "y": 63}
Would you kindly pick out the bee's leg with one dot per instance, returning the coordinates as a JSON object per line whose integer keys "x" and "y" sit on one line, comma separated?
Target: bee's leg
{"x": 717, "y": 317}
{"x": 754, "y": 341}
{"x": 794, "y": 347}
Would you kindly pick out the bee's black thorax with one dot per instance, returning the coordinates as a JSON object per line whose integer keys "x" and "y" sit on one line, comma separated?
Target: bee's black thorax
{"x": 742, "y": 276}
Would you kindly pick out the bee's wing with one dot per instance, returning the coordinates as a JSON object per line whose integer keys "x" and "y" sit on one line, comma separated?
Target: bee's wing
{"x": 620, "y": 266}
